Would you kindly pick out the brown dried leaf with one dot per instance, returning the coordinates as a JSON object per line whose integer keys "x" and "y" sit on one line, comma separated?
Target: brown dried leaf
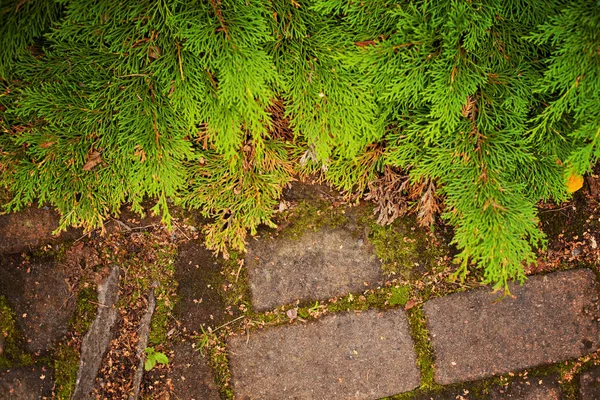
{"x": 409, "y": 304}
{"x": 365, "y": 43}
{"x": 93, "y": 158}
{"x": 428, "y": 206}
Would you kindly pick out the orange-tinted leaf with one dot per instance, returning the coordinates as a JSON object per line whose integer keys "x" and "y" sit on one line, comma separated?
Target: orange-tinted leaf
{"x": 574, "y": 183}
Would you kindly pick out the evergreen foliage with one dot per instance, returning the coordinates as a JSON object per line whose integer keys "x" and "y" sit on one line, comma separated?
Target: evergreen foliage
{"x": 495, "y": 103}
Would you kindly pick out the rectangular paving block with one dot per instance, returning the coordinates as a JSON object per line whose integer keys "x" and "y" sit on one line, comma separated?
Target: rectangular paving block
{"x": 317, "y": 265}
{"x": 349, "y": 355}
{"x": 477, "y": 334}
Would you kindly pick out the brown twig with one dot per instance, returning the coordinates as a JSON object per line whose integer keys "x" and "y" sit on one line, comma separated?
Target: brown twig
{"x": 219, "y": 15}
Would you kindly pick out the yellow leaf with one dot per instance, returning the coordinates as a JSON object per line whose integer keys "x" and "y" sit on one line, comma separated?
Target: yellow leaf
{"x": 574, "y": 183}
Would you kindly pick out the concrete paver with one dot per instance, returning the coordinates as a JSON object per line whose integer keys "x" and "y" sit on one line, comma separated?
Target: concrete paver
{"x": 318, "y": 265}
{"x": 365, "y": 355}
{"x": 551, "y": 318}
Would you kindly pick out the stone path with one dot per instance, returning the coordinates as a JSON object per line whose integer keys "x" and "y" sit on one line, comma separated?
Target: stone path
{"x": 364, "y": 355}
{"x": 316, "y": 266}
{"x": 342, "y": 355}
{"x": 552, "y": 318}
{"x": 474, "y": 334}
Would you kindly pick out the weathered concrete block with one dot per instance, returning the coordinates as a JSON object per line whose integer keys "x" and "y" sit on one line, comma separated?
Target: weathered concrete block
{"x": 365, "y": 355}
{"x": 318, "y": 265}
{"x": 551, "y": 318}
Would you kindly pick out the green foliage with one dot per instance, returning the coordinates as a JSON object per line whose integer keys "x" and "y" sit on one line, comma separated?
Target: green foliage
{"x": 153, "y": 357}
{"x": 495, "y": 101}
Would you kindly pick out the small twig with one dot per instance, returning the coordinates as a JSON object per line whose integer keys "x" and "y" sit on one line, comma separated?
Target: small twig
{"x": 219, "y": 15}
{"x": 237, "y": 275}
{"x": 84, "y": 235}
{"x": 557, "y": 209}
{"x": 228, "y": 323}
{"x": 181, "y": 230}
{"x": 180, "y": 63}
{"x": 98, "y": 304}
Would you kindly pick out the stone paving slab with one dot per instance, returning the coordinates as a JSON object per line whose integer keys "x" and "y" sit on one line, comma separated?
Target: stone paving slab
{"x": 31, "y": 228}
{"x": 476, "y": 335}
{"x": 589, "y": 384}
{"x": 318, "y": 265}
{"x": 38, "y": 293}
{"x": 26, "y": 383}
{"x": 365, "y": 355}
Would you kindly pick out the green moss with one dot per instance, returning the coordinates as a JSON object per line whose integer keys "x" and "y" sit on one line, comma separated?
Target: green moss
{"x": 220, "y": 365}
{"x": 66, "y": 364}
{"x": 165, "y": 294}
{"x": 403, "y": 245}
{"x": 85, "y": 309}
{"x": 423, "y": 347}
{"x": 399, "y": 295}
{"x": 13, "y": 354}
{"x": 312, "y": 216}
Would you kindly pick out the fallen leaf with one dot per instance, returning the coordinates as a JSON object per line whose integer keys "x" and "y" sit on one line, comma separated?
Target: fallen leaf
{"x": 93, "y": 158}
{"x": 409, "y": 304}
{"x": 292, "y": 313}
{"x": 574, "y": 183}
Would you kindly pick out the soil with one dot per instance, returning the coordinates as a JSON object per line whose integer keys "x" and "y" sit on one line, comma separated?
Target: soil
{"x": 190, "y": 376}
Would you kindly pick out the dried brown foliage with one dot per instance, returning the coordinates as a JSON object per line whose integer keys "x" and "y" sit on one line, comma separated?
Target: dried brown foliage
{"x": 280, "y": 125}
{"x": 393, "y": 193}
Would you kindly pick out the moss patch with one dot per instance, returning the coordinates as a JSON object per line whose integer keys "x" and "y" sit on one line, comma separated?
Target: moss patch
{"x": 13, "y": 354}
{"x": 85, "y": 309}
{"x": 311, "y": 216}
{"x": 66, "y": 364}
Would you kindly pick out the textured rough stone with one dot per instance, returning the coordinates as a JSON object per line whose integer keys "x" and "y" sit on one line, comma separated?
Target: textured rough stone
{"x": 365, "y": 355}
{"x": 26, "y": 383}
{"x": 317, "y": 265}
{"x": 29, "y": 229}
{"x": 551, "y": 318}
{"x": 96, "y": 341}
{"x": 589, "y": 384}
{"x": 41, "y": 299}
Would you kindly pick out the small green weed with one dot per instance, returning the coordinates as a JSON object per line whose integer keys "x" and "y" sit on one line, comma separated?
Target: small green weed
{"x": 153, "y": 357}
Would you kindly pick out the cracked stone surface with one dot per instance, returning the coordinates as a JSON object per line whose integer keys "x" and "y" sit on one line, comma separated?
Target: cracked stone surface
{"x": 551, "y": 318}
{"x": 318, "y": 265}
{"x": 365, "y": 355}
